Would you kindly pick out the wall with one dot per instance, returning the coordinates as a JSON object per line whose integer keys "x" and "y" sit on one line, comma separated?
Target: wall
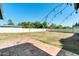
{"x": 19, "y": 30}
{"x": 60, "y": 30}
{"x": 64, "y": 30}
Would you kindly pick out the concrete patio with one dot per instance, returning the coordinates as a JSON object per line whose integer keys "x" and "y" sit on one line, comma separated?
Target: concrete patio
{"x": 30, "y": 47}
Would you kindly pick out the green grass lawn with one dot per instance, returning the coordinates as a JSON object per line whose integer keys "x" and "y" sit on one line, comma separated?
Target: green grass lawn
{"x": 68, "y": 41}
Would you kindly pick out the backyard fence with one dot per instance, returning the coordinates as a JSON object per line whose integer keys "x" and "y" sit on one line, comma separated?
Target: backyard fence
{"x": 20, "y": 30}
{"x": 64, "y": 30}
{"x": 23, "y": 30}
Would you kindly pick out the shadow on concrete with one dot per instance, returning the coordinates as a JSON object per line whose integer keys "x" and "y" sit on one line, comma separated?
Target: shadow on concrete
{"x": 26, "y": 49}
{"x": 70, "y": 44}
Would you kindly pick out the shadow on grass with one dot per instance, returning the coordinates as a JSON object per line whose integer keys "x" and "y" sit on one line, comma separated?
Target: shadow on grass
{"x": 71, "y": 43}
{"x": 26, "y": 49}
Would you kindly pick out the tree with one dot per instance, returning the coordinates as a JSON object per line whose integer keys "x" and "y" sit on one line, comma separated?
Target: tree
{"x": 59, "y": 27}
{"x": 10, "y": 22}
{"x": 44, "y": 25}
{"x": 53, "y": 26}
{"x": 68, "y": 27}
{"x": 37, "y": 25}
{"x": 24, "y": 24}
{"x": 76, "y": 25}
{"x": 33, "y": 24}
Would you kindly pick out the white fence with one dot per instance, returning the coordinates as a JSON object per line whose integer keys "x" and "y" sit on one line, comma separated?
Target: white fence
{"x": 19, "y": 30}
{"x": 64, "y": 30}
{"x": 22, "y": 30}
{"x": 60, "y": 30}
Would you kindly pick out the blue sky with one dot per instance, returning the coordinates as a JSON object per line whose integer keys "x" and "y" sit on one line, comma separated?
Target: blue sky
{"x": 32, "y": 12}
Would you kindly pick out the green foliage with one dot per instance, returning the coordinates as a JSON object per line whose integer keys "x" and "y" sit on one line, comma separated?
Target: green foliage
{"x": 10, "y": 22}
{"x": 76, "y": 25}
{"x": 24, "y": 24}
{"x": 41, "y": 25}
{"x": 36, "y": 25}
{"x": 53, "y": 26}
{"x": 59, "y": 27}
{"x": 33, "y": 25}
{"x": 45, "y": 25}
{"x": 67, "y": 27}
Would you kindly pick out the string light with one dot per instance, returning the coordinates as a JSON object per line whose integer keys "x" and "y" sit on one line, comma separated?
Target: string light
{"x": 57, "y": 14}
{"x": 51, "y": 12}
{"x": 60, "y": 12}
{"x": 70, "y": 4}
{"x": 67, "y": 17}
